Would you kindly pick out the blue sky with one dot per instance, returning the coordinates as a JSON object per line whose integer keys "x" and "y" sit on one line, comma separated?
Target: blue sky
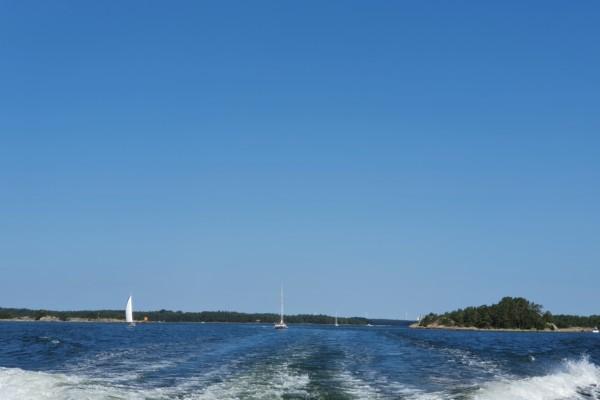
{"x": 377, "y": 158}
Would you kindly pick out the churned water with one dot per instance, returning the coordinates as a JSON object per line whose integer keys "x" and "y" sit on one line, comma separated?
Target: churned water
{"x": 235, "y": 361}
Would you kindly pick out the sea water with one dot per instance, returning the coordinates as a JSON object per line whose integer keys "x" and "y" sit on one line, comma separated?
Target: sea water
{"x": 252, "y": 361}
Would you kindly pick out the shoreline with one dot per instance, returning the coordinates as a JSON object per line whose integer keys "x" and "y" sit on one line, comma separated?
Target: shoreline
{"x": 574, "y": 329}
{"x": 122, "y": 321}
{"x": 103, "y": 321}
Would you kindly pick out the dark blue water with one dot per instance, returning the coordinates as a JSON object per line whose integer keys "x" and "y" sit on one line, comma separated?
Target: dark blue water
{"x": 231, "y": 361}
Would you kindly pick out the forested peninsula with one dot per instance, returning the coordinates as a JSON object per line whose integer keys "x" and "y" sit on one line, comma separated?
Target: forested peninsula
{"x": 23, "y": 314}
{"x": 511, "y": 313}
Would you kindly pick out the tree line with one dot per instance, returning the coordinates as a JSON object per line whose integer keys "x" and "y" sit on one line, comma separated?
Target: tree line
{"x": 176, "y": 316}
{"x": 509, "y": 313}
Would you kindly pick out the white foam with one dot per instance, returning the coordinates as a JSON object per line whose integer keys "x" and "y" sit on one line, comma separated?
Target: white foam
{"x": 273, "y": 383}
{"x": 356, "y": 387}
{"x": 377, "y": 387}
{"x": 17, "y": 384}
{"x": 573, "y": 378}
{"x": 470, "y": 360}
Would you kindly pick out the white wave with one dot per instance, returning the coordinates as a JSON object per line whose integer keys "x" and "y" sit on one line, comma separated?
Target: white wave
{"x": 574, "y": 380}
{"x": 379, "y": 387}
{"x": 356, "y": 387}
{"x": 125, "y": 366}
{"x": 17, "y": 384}
{"x": 274, "y": 382}
{"x": 473, "y": 361}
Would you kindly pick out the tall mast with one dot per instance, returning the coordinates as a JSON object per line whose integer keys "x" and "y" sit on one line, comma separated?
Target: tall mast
{"x": 282, "y": 304}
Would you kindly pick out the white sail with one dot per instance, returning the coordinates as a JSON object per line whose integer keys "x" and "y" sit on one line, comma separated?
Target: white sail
{"x": 129, "y": 311}
{"x": 281, "y": 324}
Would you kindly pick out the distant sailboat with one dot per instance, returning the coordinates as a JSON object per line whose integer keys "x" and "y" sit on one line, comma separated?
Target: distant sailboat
{"x": 336, "y": 321}
{"x": 129, "y": 312}
{"x": 281, "y": 324}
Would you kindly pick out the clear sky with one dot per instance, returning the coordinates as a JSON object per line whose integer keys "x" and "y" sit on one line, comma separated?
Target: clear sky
{"x": 376, "y": 157}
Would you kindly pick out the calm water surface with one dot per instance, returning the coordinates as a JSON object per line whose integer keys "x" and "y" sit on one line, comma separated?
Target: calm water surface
{"x": 231, "y": 361}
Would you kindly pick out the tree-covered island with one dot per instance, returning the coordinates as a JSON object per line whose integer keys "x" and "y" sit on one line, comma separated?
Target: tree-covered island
{"x": 24, "y": 314}
{"x": 510, "y": 313}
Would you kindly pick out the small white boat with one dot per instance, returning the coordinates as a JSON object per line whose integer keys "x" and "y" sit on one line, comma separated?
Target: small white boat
{"x": 281, "y": 324}
{"x": 129, "y": 312}
{"x": 595, "y": 330}
{"x": 336, "y": 321}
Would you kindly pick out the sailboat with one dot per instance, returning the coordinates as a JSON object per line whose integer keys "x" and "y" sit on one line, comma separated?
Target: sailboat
{"x": 281, "y": 324}
{"x": 336, "y": 322}
{"x": 129, "y": 312}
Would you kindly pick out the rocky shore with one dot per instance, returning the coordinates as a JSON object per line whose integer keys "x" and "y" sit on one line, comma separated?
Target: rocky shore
{"x": 574, "y": 329}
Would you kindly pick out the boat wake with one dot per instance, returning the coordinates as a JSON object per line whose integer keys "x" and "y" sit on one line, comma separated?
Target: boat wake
{"x": 18, "y": 384}
{"x": 573, "y": 380}
{"x": 275, "y": 382}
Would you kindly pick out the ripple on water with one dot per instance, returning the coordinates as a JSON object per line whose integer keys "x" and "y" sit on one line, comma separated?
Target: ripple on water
{"x": 193, "y": 362}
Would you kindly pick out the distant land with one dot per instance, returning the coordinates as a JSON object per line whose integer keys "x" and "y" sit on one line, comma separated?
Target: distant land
{"x": 24, "y": 314}
{"x": 511, "y": 313}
